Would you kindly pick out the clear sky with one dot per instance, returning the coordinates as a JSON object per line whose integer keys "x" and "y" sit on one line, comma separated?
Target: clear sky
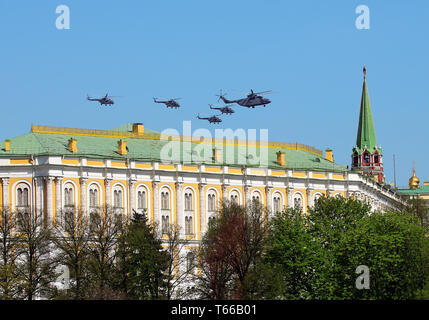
{"x": 309, "y": 52}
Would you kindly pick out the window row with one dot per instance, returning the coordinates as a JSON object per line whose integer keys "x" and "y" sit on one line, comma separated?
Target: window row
{"x": 23, "y": 200}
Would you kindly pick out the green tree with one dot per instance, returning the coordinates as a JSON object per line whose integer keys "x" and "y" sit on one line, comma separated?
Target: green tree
{"x": 328, "y": 221}
{"x": 417, "y": 207}
{"x": 395, "y": 249}
{"x": 293, "y": 256}
{"x": 146, "y": 260}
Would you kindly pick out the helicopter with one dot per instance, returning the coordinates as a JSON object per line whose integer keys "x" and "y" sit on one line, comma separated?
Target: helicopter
{"x": 224, "y": 110}
{"x": 169, "y": 103}
{"x": 212, "y": 119}
{"x": 251, "y": 101}
{"x": 103, "y": 101}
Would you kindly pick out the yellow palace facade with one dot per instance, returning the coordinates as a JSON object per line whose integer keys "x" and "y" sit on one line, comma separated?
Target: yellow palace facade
{"x": 56, "y": 170}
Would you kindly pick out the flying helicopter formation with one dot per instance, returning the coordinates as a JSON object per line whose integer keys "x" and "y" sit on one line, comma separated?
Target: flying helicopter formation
{"x": 252, "y": 100}
{"x": 106, "y": 100}
{"x": 172, "y": 103}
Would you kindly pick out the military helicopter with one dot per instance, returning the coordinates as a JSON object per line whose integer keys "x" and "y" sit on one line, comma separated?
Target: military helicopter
{"x": 169, "y": 103}
{"x": 224, "y": 110}
{"x": 103, "y": 101}
{"x": 212, "y": 119}
{"x": 251, "y": 101}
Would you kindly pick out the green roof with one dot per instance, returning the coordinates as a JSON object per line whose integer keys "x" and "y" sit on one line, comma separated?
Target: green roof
{"x": 418, "y": 191}
{"x": 366, "y": 130}
{"x": 149, "y": 149}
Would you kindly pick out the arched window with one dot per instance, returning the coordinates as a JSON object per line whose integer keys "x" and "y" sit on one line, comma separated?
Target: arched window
{"x": 235, "y": 197}
{"x": 141, "y": 200}
{"x": 94, "y": 214}
{"x": 68, "y": 211}
{"x": 68, "y": 195}
{"x": 165, "y": 200}
{"x": 277, "y": 203}
{"x": 22, "y": 200}
{"x": 188, "y": 201}
{"x": 211, "y": 202}
{"x": 212, "y": 218}
{"x": 355, "y": 159}
{"x": 93, "y": 197}
{"x": 316, "y": 196}
{"x": 256, "y": 198}
{"x": 190, "y": 261}
{"x": 165, "y": 211}
{"x": 117, "y": 199}
{"x": 297, "y": 201}
{"x": 189, "y": 213}
{"x": 22, "y": 206}
{"x": 165, "y": 224}
{"x": 257, "y": 202}
{"x": 189, "y": 227}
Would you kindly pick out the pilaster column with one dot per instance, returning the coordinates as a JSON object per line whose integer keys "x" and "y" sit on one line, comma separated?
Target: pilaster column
{"x": 5, "y": 184}
{"x": 39, "y": 195}
{"x": 108, "y": 204}
{"x": 132, "y": 184}
{"x": 180, "y": 222}
{"x": 225, "y": 193}
{"x": 83, "y": 196}
{"x": 155, "y": 201}
{"x": 203, "y": 211}
{"x": 310, "y": 202}
{"x": 49, "y": 199}
{"x": 289, "y": 197}
{"x": 268, "y": 192}
{"x": 58, "y": 196}
{"x": 247, "y": 195}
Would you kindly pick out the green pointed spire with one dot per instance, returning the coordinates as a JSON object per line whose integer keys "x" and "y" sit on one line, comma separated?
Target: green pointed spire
{"x": 366, "y": 131}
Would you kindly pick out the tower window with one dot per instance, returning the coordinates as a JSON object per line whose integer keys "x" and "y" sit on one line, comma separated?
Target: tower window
{"x": 366, "y": 158}
{"x": 376, "y": 158}
{"x": 355, "y": 159}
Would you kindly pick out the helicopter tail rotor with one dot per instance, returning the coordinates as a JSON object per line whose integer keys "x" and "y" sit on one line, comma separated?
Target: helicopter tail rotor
{"x": 220, "y": 95}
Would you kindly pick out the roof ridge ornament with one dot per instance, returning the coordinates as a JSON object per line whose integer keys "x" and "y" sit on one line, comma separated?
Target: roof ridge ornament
{"x": 364, "y": 72}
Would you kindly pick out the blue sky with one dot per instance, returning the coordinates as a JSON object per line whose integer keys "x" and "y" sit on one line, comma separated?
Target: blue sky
{"x": 309, "y": 52}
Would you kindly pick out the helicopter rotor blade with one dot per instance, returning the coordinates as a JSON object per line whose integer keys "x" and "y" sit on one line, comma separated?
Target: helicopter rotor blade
{"x": 247, "y": 92}
{"x": 264, "y": 92}
{"x": 220, "y": 95}
{"x": 177, "y": 99}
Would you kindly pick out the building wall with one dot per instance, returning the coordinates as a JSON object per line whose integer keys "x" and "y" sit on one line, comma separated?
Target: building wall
{"x": 46, "y": 178}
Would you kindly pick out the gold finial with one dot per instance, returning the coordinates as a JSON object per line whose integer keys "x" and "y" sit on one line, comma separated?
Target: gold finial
{"x": 414, "y": 182}
{"x": 364, "y": 72}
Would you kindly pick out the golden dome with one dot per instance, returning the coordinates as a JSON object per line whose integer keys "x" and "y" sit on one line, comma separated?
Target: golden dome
{"x": 413, "y": 182}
